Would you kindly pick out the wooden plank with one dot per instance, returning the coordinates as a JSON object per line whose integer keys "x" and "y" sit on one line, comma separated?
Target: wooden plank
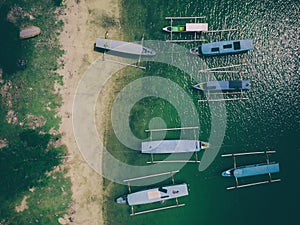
{"x": 248, "y": 153}
{"x": 222, "y": 67}
{"x": 223, "y": 30}
{"x": 182, "y": 41}
{"x": 174, "y": 161}
{"x": 170, "y": 129}
{"x": 157, "y": 209}
{"x": 150, "y": 176}
{"x": 222, "y": 99}
{"x": 253, "y": 184}
{"x": 125, "y": 64}
{"x": 185, "y": 17}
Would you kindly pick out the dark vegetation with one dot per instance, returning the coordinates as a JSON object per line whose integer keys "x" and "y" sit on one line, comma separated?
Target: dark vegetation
{"x": 28, "y": 69}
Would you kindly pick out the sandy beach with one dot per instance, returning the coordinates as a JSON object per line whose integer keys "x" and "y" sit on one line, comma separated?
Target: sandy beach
{"x": 83, "y": 22}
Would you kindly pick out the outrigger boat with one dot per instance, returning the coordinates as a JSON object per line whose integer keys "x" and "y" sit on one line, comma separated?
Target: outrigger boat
{"x": 193, "y": 27}
{"x": 173, "y": 146}
{"x": 188, "y": 27}
{"x": 152, "y": 195}
{"x": 224, "y": 85}
{"x": 228, "y": 88}
{"x": 124, "y": 47}
{"x": 223, "y": 47}
{"x": 251, "y": 170}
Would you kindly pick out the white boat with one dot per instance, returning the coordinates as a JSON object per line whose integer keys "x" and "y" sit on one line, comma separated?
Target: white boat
{"x": 154, "y": 195}
{"x": 173, "y": 146}
{"x": 124, "y": 47}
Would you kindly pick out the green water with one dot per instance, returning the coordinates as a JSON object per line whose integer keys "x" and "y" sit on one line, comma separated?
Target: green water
{"x": 268, "y": 120}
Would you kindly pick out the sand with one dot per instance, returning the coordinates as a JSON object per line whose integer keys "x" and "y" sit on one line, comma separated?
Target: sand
{"x": 83, "y": 22}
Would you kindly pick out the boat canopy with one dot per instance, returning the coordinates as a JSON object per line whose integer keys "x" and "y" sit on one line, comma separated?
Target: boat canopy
{"x": 194, "y": 27}
{"x": 157, "y": 194}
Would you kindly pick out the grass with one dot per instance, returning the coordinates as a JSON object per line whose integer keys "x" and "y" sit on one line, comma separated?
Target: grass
{"x": 28, "y": 158}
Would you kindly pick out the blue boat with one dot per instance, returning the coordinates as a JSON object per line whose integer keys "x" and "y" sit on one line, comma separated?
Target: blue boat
{"x": 223, "y": 47}
{"x": 224, "y": 85}
{"x": 252, "y": 170}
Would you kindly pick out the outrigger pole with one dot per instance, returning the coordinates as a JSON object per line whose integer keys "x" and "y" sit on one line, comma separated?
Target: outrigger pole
{"x": 221, "y": 67}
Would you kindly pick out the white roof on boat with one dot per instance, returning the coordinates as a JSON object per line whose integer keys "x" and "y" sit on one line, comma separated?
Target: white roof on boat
{"x": 157, "y": 194}
{"x": 170, "y": 146}
{"x": 197, "y": 27}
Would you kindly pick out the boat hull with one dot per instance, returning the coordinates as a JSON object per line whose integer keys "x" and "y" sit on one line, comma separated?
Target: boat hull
{"x": 224, "y": 85}
{"x": 172, "y": 146}
{"x": 124, "y": 47}
{"x": 156, "y": 194}
{"x": 252, "y": 170}
{"x": 223, "y": 47}
{"x": 188, "y": 27}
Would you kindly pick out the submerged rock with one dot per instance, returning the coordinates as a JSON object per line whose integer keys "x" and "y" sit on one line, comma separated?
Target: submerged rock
{"x": 30, "y": 32}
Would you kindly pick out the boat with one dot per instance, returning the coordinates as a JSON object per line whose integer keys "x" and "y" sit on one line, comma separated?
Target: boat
{"x": 252, "y": 170}
{"x": 188, "y": 27}
{"x": 124, "y": 47}
{"x": 154, "y": 195}
{"x": 224, "y": 85}
{"x": 223, "y": 47}
{"x": 173, "y": 146}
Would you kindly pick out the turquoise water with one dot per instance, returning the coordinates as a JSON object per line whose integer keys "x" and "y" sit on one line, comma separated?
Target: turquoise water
{"x": 268, "y": 120}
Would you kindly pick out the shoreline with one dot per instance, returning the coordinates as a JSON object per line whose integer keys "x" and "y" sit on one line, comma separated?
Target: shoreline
{"x": 82, "y": 24}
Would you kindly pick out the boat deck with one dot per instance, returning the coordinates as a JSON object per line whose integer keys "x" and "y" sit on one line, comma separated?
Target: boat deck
{"x": 171, "y": 146}
{"x": 123, "y": 47}
{"x": 254, "y": 170}
{"x": 157, "y": 194}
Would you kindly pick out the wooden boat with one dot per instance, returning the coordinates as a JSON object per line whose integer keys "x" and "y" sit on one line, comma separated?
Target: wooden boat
{"x": 154, "y": 195}
{"x": 188, "y": 27}
{"x": 124, "y": 47}
{"x": 29, "y": 32}
{"x": 173, "y": 146}
{"x": 223, "y": 47}
{"x": 252, "y": 170}
{"x": 224, "y": 85}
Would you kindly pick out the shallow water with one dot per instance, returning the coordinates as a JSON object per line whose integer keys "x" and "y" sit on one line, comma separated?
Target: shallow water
{"x": 268, "y": 120}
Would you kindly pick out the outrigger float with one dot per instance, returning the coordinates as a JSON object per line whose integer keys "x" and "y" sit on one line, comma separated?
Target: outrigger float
{"x": 173, "y": 146}
{"x": 223, "y": 47}
{"x": 158, "y": 194}
{"x": 251, "y": 170}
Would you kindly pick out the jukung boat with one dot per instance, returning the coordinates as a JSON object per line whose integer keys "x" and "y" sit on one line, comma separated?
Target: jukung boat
{"x": 224, "y": 85}
{"x": 223, "y": 47}
{"x": 188, "y": 27}
{"x": 173, "y": 146}
{"x": 252, "y": 170}
{"x": 154, "y": 195}
{"x": 124, "y": 47}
